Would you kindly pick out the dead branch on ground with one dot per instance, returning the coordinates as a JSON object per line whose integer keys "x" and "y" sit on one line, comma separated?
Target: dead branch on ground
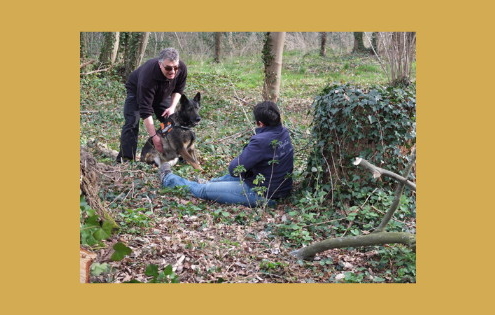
{"x": 379, "y": 236}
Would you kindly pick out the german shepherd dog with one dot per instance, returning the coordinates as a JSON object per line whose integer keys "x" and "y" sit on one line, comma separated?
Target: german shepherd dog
{"x": 176, "y": 135}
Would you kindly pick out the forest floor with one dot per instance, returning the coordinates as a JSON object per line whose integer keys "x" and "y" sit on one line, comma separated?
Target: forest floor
{"x": 206, "y": 242}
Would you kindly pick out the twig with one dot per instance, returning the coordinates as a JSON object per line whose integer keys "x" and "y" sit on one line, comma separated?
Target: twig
{"x": 151, "y": 203}
{"x": 304, "y": 226}
{"x": 178, "y": 41}
{"x": 377, "y": 172}
{"x": 242, "y": 107}
{"x": 96, "y": 71}
{"x": 361, "y": 206}
{"x": 235, "y": 135}
{"x": 87, "y": 63}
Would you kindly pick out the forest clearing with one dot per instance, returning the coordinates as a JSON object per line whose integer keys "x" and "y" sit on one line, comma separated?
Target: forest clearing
{"x": 156, "y": 234}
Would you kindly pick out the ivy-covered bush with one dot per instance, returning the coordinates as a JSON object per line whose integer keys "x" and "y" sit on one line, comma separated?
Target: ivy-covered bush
{"x": 376, "y": 123}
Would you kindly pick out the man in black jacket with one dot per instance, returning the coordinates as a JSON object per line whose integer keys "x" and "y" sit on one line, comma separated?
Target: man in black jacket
{"x": 153, "y": 88}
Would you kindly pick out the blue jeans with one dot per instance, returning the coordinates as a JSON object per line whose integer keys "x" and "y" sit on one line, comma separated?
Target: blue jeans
{"x": 226, "y": 189}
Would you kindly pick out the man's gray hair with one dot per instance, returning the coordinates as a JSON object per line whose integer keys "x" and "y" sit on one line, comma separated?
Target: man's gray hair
{"x": 169, "y": 53}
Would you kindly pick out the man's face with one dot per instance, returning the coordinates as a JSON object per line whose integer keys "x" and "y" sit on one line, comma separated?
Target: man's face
{"x": 169, "y": 68}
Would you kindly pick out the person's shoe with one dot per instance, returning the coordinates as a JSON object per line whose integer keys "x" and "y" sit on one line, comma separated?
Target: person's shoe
{"x": 122, "y": 159}
{"x": 164, "y": 170}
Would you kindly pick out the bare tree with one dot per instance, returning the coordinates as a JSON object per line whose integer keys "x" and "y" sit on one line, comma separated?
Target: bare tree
{"x": 272, "y": 59}
{"x": 396, "y": 55}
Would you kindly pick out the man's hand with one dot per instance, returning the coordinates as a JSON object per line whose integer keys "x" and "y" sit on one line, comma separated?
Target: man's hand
{"x": 157, "y": 143}
{"x": 169, "y": 111}
{"x": 175, "y": 100}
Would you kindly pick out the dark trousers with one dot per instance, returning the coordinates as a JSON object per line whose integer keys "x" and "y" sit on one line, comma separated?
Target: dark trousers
{"x": 130, "y": 130}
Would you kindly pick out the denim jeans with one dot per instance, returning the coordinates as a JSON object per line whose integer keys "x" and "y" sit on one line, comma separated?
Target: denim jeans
{"x": 226, "y": 189}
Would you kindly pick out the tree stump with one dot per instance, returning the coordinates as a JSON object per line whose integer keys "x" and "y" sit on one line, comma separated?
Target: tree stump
{"x": 89, "y": 184}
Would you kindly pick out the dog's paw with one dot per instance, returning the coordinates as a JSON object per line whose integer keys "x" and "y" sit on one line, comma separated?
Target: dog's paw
{"x": 173, "y": 162}
{"x": 157, "y": 160}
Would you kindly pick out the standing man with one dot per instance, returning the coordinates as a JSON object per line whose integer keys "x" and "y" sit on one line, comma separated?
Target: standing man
{"x": 153, "y": 88}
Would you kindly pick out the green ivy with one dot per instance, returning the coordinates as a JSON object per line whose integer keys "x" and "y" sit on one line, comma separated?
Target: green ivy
{"x": 93, "y": 230}
{"x": 377, "y": 123}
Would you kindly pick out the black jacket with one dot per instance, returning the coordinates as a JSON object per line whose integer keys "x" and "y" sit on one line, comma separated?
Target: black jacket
{"x": 151, "y": 87}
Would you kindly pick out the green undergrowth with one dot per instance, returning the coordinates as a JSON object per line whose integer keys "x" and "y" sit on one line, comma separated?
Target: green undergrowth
{"x": 138, "y": 201}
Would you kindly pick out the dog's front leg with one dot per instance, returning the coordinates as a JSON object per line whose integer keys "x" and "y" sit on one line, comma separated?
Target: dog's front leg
{"x": 185, "y": 154}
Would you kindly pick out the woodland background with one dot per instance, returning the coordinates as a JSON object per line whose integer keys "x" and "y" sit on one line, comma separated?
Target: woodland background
{"x": 138, "y": 231}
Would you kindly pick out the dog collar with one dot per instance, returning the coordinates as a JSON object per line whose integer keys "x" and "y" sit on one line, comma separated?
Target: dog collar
{"x": 166, "y": 129}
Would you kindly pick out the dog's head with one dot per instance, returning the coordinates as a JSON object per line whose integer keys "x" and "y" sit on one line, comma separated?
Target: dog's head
{"x": 188, "y": 111}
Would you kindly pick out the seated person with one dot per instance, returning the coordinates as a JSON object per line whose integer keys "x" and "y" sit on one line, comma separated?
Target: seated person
{"x": 269, "y": 153}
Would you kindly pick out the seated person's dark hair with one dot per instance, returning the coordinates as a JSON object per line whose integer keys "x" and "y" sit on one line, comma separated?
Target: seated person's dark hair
{"x": 267, "y": 112}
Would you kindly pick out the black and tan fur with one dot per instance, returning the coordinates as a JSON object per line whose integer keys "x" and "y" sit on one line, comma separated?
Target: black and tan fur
{"x": 179, "y": 139}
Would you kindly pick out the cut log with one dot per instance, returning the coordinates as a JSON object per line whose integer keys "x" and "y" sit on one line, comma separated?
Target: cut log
{"x": 86, "y": 258}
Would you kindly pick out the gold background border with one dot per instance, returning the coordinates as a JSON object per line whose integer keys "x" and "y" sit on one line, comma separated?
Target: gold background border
{"x": 40, "y": 139}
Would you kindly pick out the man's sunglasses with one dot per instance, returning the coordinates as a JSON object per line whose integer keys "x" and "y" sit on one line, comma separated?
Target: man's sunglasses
{"x": 169, "y": 68}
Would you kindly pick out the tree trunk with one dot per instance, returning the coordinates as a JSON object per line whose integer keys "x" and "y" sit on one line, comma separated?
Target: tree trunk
{"x": 323, "y": 37}
{"x": 108, "y": 52}
{"x": 115, "y": 49}
{"x": 218, "y": 46}
{"x": 134, "y": 48}
{"x": 143, "y": 43}
{"x": 272, "y": 59}
{"x": 83, "y": 52}
{"x": 375, "y": 43}
{"x": 308, "y": 253}
{"x": 359, "y": 43}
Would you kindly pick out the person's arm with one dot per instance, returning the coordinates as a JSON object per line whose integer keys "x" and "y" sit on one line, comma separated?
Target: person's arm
{"x": 251, "y": 155}
{"x": 150, "y": 128}
{"x": 175, "y": 100}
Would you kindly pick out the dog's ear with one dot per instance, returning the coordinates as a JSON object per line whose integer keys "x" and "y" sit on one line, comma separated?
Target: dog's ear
{"x": 183, "y": 99}
{"x": 197, "y": 98}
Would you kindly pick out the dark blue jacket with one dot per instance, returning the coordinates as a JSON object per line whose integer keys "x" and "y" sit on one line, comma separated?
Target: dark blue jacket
{"x": 257, "y": 156}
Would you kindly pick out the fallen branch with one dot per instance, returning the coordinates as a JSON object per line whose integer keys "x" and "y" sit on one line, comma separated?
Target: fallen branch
{"x": 87, "y": 63}
{"x": 377, "y": 172}
{"x": 398, "y": 193}
{"x": 379, "y": 236}
{"x": 96, "y": 71}
{"x": 308, "y": 252}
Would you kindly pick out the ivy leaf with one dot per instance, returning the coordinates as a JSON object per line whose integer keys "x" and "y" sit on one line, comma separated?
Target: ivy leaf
{"x": 151, "y": 270}
{"x": 120, "y": 252}
{"x": 107, "y": 227}
{"x": 168, "y": 270}
{"x": 97, "y": 268}
{"x": 101, "y": 234}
